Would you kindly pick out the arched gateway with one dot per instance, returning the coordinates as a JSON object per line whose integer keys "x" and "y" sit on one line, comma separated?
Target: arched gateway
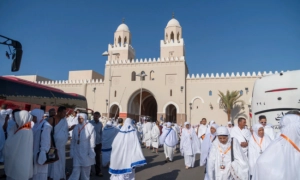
{"x": 148, "y": 108}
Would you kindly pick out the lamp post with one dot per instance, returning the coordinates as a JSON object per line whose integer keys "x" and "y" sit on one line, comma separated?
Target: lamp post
{"x": 190, "y": 112}
{"x": 109, "y": 86}
{"x": 141, "y": 75}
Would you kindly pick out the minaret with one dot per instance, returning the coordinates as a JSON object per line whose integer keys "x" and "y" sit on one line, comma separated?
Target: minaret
{"x": 122, "y": 44}
{"x": 172, "y": 45}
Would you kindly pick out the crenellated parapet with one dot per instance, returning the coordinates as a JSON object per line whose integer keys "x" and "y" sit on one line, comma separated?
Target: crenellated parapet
{"x": 232, "y": 75}
{"x": 90, "y": 81}
{"x": 149, "y": 60}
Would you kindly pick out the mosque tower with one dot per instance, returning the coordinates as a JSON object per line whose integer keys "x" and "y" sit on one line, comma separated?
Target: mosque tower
{"x": 122, "y": 44}
{"x": 172, "y": 45}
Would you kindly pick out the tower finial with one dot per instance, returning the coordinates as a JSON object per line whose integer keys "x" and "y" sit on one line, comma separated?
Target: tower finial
{"x": 123, "y": 20}
{"x": 173, "y": 15}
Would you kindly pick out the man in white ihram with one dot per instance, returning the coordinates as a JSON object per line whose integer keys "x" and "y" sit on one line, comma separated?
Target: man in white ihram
{"x": 169, "y": 140}
{"x": 241, "y": 134}
{"x": 281, "y": 160}
{"x": 147, "y": 132}
{"x": 82, "y": 148}
{"x": 41, "y": 144}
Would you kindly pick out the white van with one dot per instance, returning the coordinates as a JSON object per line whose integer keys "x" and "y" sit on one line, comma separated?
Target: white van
{"x": 275, "y": 95}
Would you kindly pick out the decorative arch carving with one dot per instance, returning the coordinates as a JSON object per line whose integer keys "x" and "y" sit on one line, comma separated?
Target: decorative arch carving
{"x": 197, "y": 97}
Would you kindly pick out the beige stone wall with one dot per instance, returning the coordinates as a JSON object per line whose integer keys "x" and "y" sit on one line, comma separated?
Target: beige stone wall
{"x": 33, "y": 78}
{"x": 208, "y": 106}
{"x": 84, "y": 74}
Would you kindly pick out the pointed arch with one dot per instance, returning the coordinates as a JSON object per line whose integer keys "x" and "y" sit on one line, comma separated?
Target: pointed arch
{"x": 125, "y": 40}
{"x": 172, "y": 36}
{"x": 119, "y": 41}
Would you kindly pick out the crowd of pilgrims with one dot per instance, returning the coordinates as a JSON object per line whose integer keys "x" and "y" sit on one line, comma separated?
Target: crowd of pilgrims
{"x": 226, "y": 152}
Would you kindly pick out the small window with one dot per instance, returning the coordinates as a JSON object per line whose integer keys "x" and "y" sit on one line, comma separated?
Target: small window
{"x": 133, "y": 76}
{"x": 171, "y": 92}
{"x": 143, "y": 77}
{"x": 115, "y": 93}
{"x": 152, "y": 75}
{"x": 241, "y": 92}
{"x": 210, "y": 93}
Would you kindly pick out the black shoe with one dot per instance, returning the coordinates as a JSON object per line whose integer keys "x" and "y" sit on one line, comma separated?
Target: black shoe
{"x": 167, "y": 160}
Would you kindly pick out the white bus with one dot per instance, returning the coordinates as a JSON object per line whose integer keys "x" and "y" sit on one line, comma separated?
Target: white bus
{"x": 275, "y": 95}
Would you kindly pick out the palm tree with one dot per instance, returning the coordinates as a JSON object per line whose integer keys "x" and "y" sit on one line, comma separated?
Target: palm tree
{"x": 228, "y": 101}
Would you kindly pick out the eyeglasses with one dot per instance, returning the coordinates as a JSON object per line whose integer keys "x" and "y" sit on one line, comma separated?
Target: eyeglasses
{"x": 263, "y": 122}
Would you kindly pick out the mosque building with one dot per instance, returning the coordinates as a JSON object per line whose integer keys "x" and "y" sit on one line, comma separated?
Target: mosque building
{"x": 163, "y": 85}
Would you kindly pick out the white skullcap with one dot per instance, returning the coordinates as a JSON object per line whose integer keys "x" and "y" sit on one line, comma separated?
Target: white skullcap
{"x": 169, "y": 124}
{"x": 186, "y": 123}
{"x": 222, "y": 131}
{"x": 229, "y": 122}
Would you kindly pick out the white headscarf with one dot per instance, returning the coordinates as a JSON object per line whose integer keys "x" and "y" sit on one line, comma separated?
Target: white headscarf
{"x": 18, "y": 150}
{"x": 126, "y": 151}
{"x": 281, "y": 159}
{"x": 169, "y": 136}
{"x": 38, "y": 113}
{"x": 206, "y": 144}
{"x": 22, "y": 117}
{"x": 83, "y": 115}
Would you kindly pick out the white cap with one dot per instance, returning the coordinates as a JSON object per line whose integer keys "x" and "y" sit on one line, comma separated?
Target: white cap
{"x": 229, "y": 122}
{"x": 222, "y": 130}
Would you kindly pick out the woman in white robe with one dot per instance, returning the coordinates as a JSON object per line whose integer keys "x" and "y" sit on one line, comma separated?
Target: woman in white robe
{"x": 147, "y": 133}
{"x": 258, "y": 143}
{"x": 169, "y": 140}
{"x": 108, "y": 135}
{"x": 155, "y": 133}
{"x": 56, "y": 170}
{"x": 82, "y": 148}
{"x": 220, "y": 164}
{"x": 281, "y": 160}
{"x": 206, "y": 145}
{"x": 189, "y": 145}
{"x": 41, "y": 144}
{"x": 126, "y": 153}
{"x": 18, "y": 154}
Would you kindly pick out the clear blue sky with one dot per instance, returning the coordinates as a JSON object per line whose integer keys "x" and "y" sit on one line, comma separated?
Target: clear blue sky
{"x": 220, "y": 35}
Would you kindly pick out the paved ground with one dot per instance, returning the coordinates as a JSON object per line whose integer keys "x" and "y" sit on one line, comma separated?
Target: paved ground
{"x": 156, "y": 168}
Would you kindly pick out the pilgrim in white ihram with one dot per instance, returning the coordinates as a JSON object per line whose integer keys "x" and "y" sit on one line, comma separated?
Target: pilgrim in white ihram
{"x": 41, "y": 145}
{"x": 258, "y": 143}
{"x": 189, "y": 145}
{"x": 210, "y": 137}
{"x": 220, "y": 165}
{"x": 169, "y": 140}
{"x": 82, "y": 148}
{"x": 108, "y": 135}
{"x": 18, "y": 154}
{"x": 126, "y": 153}
{"x": 283, "y": 154}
